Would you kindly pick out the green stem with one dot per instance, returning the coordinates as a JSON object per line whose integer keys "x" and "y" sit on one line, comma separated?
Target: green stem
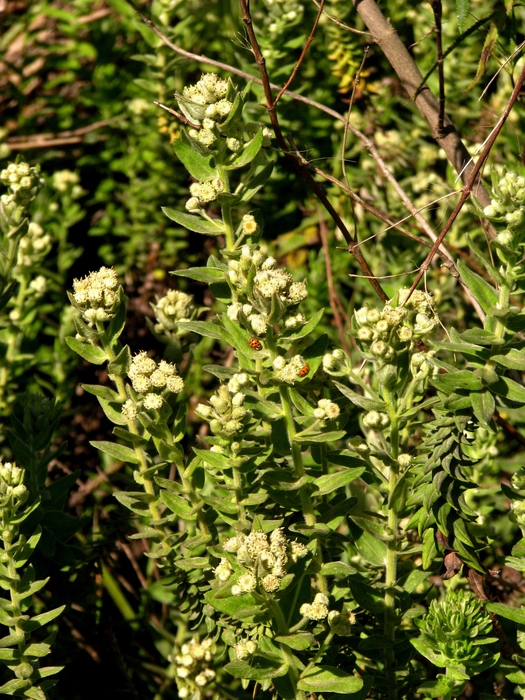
{"x": 227, "y": 211}
{"x": 297, "y": 457}
{"x": 147, "y": 481}
{"x": 391, "y": 555}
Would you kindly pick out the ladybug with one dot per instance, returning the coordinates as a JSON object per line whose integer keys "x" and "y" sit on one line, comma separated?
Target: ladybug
{"x": 304, "y": 370}
{"x": 255, "y": 344}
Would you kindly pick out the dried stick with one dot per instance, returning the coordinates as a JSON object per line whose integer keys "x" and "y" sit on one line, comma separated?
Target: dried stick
{"x": 409, "y": 74}
{"x": 302, "y": 56}
{"x": 297, "y": 162}
{"x": 472, "y": 179}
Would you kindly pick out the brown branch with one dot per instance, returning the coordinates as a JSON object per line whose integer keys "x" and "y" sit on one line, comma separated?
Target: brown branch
{"x": 179, "y": 116}
{"x": 339, "y": 23}
{"x": 410, "y": 76}
{"x": 335, "y": 303}
{"x": 471, "y": 180}
{"x": 297, "y": 162}
{"x": 302, "y": 56}
{"x": 62, "y": 138}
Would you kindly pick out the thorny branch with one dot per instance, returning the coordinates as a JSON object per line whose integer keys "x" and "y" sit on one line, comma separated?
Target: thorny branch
{"x": 438, "y": 12}
{"x": 472, "y": 179}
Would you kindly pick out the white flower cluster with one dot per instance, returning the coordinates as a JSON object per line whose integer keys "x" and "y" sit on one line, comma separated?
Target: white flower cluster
{"x": 264, "y": 559}
{"x": 317, "y": 610}
{"x": 175, "y": 306}
{"x": 209, "y": 107}
{"x": 508, "y": 204}
{"x": 34, "y": 246}
{"x": 97, "y": 296}
{"x": 151, "y": 381}
{"x": 204, "y": 192}
{"x": 289, "y": 372}
{"x": 23, "y": 182}
{"x": 326, "y": 410}
{"x": 376, "y": 420}
{"x": 227, "y": 415}
{"x": 258, "y": 283}
{"x": 383, "y": 334}
{"x": 12, "y": 488}
{"x": 64, "y": 179}
{"x": 192, "y": 668}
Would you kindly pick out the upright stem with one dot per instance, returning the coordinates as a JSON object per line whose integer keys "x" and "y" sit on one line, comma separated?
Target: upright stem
{"x": 297, "y": 457}
{"x": 391, "y": 556}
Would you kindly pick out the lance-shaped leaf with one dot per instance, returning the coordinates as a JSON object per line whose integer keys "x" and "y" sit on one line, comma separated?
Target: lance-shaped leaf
{"x": 88, "y": 352}
{"x": 195, "y": 223}
{"x": 199, "y": 166}
{"x": 327, "y": 679}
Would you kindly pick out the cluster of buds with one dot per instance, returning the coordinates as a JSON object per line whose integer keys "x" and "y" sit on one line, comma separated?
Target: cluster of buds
{"x": 192, "y": 668}
{"x": 289, "y": 372}
{"x": 376, "y": 420}
{"x": 336, "y": 363}
{"x": 341, "y": 622}
{"x": 244, "y": 649}
{"x": 204, "y": 192}
{"x": 265, "y": 294}
{"x": 508, "y": 208}
{"x": 264, "y": 560}
{"x": 23, "y": 182}
{"x": 64, "y": 180}
{"x": 385, "y": 335}
{"x": 226, "y": 415}
{"x": 175, "y": 306}
{"x": 326, "y": 410}
{"x": 152, "y": 382}
{"x": 34, "y": 246}
{"x": 508, "y": 203}
{"x": 13, "y": 493}
{"x": 97, "y": 296}
{"x": 318, "y": 610}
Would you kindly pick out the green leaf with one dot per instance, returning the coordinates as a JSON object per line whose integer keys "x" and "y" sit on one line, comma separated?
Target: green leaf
{"x": 195, "y": 223}
{"x": 299, "y": 641}
{"x": 362, "y": 401}
{"x": 120, "y": 452}
{"x": 102, "y": 392}
{"x": 216, "y": 460}
{"x": 462, "y": 8}
{"x": 199, "y": 166}
{"x": 91, "y": 353}
{"x": 515, "y": 614}
{"x": 337, "y": 568}
{"x": 513, "y": 359}
{"x": 255, "y": 184}
{"x": 329, "y": 436}
{"x": 327, "y": 679}
{"x": 249, "y": 152}
{"x": 178, "y": 505}
{"x": 331, "y": 482}
{"x": 202, "y": 274}
{"x": 483, "y": 405}
{"x": 13, "y": 686}
{"x": 481, "y": 337}
{"x": 485, "y": 293}
{"x": 137, "y": 502}
{"x": 462, "y": 379}
{"x": 193, "y": 563}
{"x": 366, "y": 596}
{"x": 40, "y": 620}
{"x": 371, "y": 548}
{"x": 258, "y": 668}
{"x": 207, "y": 329}
{"x": 509, "y": 389}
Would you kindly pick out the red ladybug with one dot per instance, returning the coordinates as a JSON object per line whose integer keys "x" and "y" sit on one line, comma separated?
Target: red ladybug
{"x": 304, "y": 370}
{"x": 255, "y": 344}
